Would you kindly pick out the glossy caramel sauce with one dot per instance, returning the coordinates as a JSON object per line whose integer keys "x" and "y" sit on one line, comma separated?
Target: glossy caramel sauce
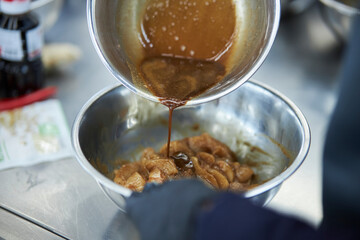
{"x": 185, "y": 45}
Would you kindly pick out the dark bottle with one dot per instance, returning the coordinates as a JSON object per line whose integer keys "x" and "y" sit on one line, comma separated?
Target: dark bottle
{"x": 21, "y": 40}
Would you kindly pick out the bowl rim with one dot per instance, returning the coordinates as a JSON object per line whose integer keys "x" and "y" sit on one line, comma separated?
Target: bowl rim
{"x": 273, "y": 29}
{"x": 272, "y": 183}
{"x": 341, "y": 7}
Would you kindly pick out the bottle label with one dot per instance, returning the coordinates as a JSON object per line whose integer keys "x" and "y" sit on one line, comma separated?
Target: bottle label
{"x": 34, "y": 42}
{"x": 11, "y": 45}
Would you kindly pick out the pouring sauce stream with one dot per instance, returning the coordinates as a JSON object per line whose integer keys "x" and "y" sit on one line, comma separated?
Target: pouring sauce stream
{"x": 185, "y": 45}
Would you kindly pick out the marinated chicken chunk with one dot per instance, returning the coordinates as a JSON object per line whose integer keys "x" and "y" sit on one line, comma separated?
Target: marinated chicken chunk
{"x": 135, "y": 182}
{"x": 166, "y": 166}
{"x": 201, "y": 156}
{"x": 156, "y": 176}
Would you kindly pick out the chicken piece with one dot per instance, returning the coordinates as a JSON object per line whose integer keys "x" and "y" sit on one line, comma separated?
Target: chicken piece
{"x": 222, "y": 151}
{"x": 236, "y": 165}
{"x": 188, "y": 173}
{"x": 119, "y": 180}
{"x": 148, "y": 154}
{"x": 227, "y": 169}
{"x": 221, "y": 179}
{"x": 206, "y": 157}
{"x": 203, "y": 174}
{"x": 176, "y": 147}
{"x": 135, "y": 182}
{"x": 243, "y": 173}
{"x": 143, "y": 171}
{"x": 200, "y": 143}
{"x": 167, "y": 166}
{"x": 156, "y": 176}
{"x": 236, "y": 186}
{"x": 205, "y": 143}
{"x": 125, "y": 171}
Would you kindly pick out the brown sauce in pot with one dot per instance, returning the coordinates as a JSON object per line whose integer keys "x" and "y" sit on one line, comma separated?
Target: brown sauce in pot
{"x": 185, "y": 45}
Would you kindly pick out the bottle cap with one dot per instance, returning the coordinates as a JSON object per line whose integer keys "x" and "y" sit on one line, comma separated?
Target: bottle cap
{"x": 14, "y": 6}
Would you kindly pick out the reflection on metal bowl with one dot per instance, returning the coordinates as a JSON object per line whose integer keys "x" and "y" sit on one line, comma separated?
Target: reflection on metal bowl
{"x": 116, "y": 124}
{"x": 47, "y": 10}
{"x": 339, "y": 16}
{"x": 289, "y": 7}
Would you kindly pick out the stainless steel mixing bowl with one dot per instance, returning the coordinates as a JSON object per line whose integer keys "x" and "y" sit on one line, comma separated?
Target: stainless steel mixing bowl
{"x": 339, "y": 16}
{"x": 257, "y": 23}
{"x": 47, "y": 10}
{"x": 115, "y": 124}
{"x": 295, "y": 6}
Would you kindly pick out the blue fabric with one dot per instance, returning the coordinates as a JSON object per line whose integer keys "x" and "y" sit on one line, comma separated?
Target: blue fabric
{"x": 167, "y": 211}
{"x": 233, "y": 217}
{"x": 341, "y": 175}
